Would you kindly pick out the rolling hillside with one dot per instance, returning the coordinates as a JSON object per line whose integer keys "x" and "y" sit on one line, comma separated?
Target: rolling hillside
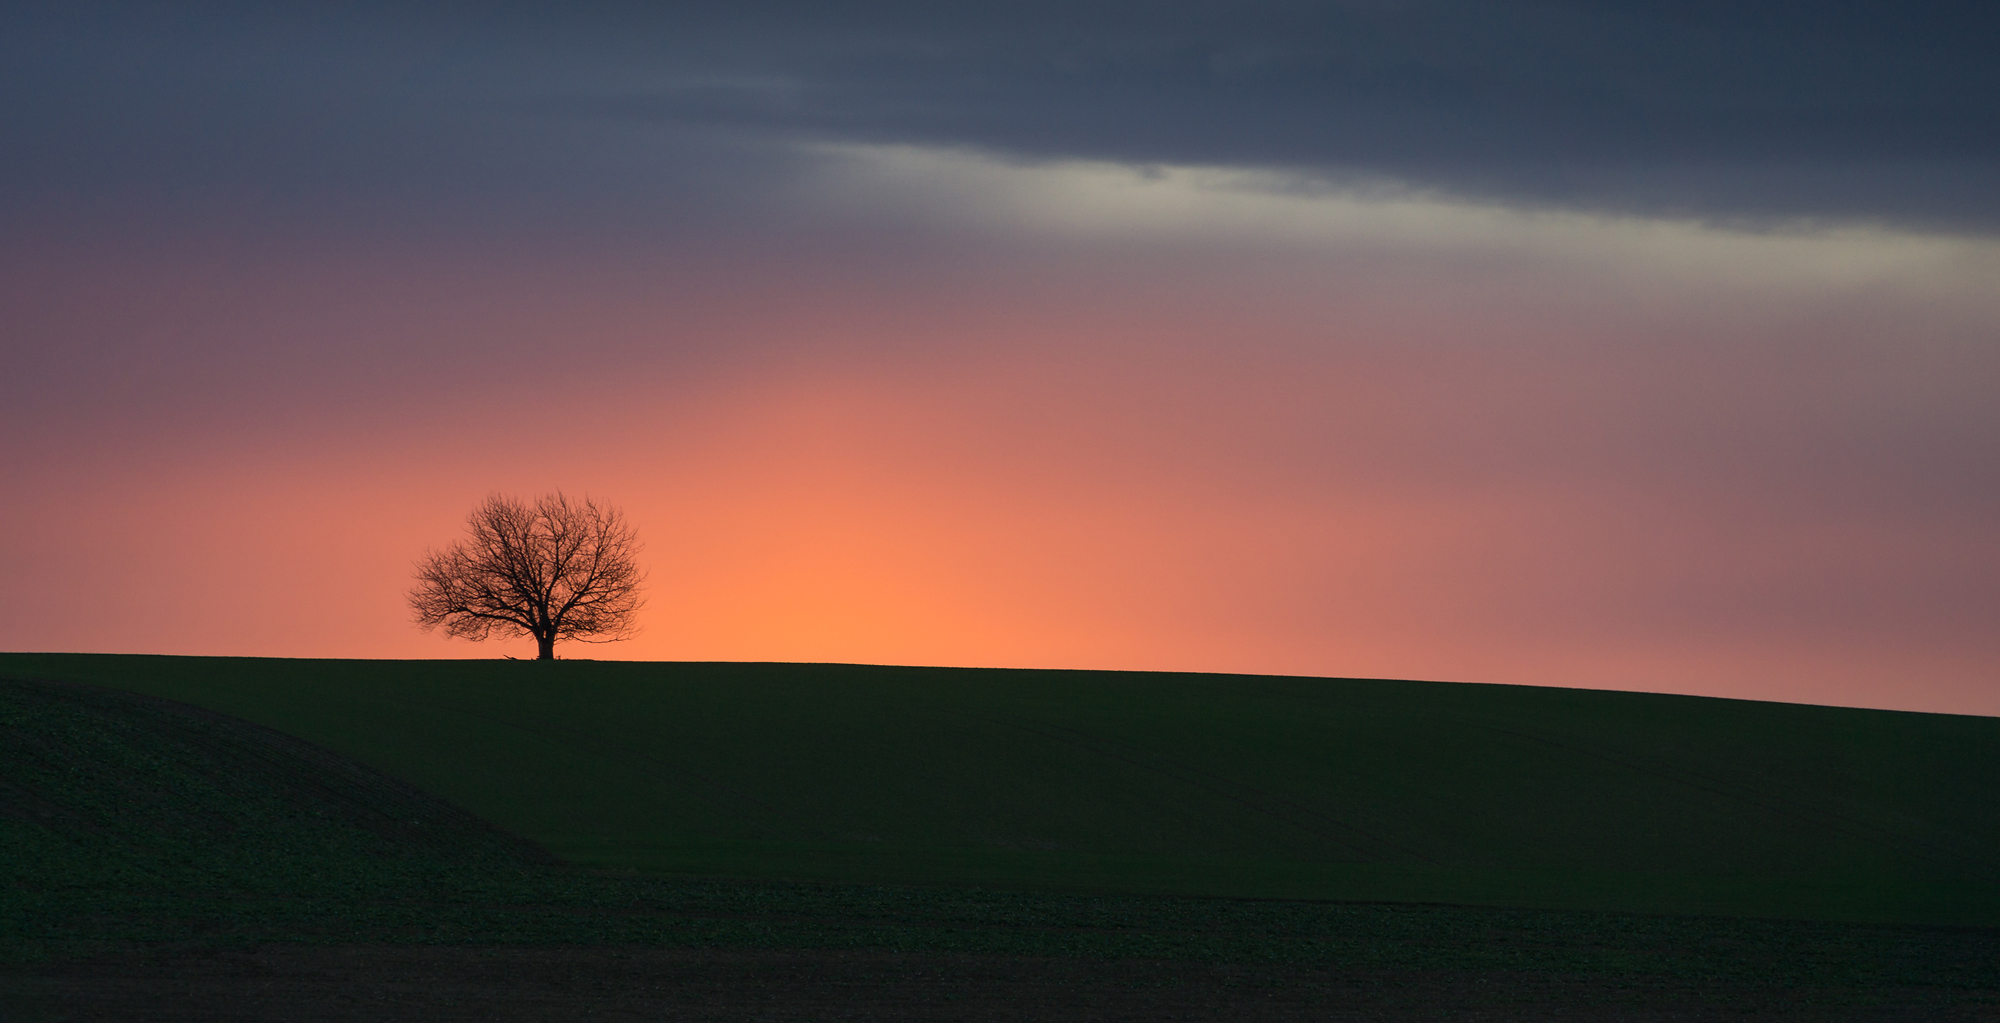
{"x": 1160, "y": 783}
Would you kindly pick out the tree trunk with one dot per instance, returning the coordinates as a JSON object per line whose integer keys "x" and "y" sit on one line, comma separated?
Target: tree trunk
{"x": 545, "y": 647}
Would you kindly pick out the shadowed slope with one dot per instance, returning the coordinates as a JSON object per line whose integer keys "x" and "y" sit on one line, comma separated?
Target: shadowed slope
{"x": 1141, "y": 782}
{"x": 116, "y": 789}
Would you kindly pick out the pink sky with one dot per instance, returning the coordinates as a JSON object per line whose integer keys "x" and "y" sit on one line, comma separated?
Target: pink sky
{"x": 1610, "y": 454}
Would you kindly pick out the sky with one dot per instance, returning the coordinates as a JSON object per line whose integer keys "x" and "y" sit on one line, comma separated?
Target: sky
{"x": 1609, "y": 345}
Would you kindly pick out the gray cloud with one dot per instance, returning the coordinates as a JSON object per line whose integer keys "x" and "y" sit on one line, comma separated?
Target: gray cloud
{"x": 1836, "y": 111}
{"x": 1735, "y": 111}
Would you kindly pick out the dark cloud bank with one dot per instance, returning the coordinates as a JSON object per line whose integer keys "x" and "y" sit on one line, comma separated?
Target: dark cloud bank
{"x": 1764, "y": 112}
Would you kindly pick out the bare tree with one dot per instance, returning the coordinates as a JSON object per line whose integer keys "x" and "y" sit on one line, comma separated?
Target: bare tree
{"x": 556, "y": 569}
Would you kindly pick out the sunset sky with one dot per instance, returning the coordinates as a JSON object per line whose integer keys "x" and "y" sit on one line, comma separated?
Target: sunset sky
{"x": 1613, "y": 345}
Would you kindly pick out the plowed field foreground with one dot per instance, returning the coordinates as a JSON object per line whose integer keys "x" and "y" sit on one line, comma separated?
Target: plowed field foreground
{"x": 391, "y": 984}
{"x": 166, "y": 862}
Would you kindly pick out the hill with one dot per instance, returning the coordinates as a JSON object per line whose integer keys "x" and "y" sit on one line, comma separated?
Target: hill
{"x": 1160, "y": 783}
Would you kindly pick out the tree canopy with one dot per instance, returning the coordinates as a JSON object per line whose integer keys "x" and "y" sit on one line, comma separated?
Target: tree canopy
{"x": 556, "y": 569}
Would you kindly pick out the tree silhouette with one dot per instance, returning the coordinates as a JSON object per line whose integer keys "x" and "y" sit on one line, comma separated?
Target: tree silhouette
{"x": 556, "y": 569}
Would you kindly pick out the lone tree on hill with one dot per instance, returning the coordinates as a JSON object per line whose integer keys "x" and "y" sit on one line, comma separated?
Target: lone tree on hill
{"x": 556, "y": 569}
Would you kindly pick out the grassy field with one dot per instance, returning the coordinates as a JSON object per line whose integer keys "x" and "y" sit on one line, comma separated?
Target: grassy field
{"x": 164, "y": 862}
{"x": 1135, "y": 784}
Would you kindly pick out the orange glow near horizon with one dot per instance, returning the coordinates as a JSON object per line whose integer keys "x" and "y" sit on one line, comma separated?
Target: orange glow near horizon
{"x": 1042, "y": 474}
{"x": 804, "y": 535}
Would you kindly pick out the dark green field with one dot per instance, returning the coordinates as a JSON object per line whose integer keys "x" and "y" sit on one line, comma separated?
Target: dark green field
{"x": 1040, "y": 846}
{"x": 1160, "y": 783}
